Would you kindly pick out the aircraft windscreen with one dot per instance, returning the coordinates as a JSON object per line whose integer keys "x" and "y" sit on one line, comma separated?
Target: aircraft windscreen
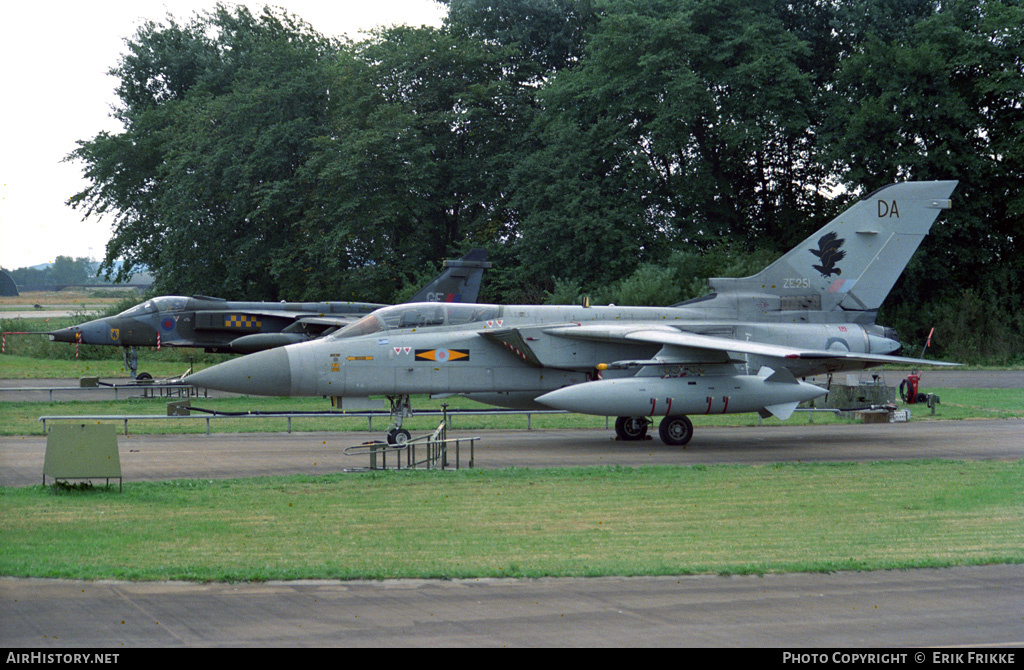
{"x": 164, "y": 303}
{"x": 148, "y": 307}
{"x": 364, "y": 326}
{"x": 419, "y": 315}
{"x": 170, "y": 303}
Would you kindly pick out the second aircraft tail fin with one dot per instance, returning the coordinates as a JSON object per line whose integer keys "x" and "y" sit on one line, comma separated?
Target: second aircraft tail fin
{"x": 460, "y": 281}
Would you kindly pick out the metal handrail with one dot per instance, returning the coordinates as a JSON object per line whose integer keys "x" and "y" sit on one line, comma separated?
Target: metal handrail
{"x": 146, "y": 389}
{"x": 436, "y": 444}
{"x": 369, "y": 415}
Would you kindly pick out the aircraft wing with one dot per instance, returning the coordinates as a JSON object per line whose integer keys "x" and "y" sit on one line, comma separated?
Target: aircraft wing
{"x": 705, "y": 344}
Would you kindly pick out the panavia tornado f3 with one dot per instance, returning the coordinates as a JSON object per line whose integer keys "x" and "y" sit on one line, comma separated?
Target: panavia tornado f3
{"x": 742, "y": 348}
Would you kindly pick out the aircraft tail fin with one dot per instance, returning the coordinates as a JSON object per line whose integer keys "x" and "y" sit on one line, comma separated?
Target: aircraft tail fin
{"x": 460, "y": 281}
{"x": 853, "y": 262}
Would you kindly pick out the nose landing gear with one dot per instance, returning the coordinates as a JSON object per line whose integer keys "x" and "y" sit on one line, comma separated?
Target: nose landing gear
{"x": 401, "y": 407}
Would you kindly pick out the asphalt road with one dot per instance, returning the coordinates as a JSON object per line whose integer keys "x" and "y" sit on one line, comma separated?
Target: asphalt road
{"x": 218, "y": 456}
{"x": 980, "y": 607}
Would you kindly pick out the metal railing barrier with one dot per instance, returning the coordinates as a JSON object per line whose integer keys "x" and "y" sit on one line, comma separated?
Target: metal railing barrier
{"x": 434, "y": 449}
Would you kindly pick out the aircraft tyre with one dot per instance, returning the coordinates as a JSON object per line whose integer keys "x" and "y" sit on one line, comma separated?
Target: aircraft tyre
{"x": 631, "y": 428}
{"x": 143, "y": 376}
{"x": 398, "y": 436}
{"x": 675, "y": 430}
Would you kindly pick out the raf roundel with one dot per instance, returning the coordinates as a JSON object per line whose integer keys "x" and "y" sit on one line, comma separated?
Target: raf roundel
{"x": 442, "y": 355}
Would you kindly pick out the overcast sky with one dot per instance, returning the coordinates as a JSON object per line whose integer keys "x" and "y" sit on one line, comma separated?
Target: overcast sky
{"x": 55, "y": 91}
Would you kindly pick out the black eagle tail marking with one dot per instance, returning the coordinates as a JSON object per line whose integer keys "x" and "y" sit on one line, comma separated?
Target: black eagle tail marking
{"x": 829, "y": 253}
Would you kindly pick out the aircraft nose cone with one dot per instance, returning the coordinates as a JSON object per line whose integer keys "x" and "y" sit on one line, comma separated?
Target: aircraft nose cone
{"x": 64, "y": 335}
{"x": 264, "y": 373}
{"x": 90, "y": 332}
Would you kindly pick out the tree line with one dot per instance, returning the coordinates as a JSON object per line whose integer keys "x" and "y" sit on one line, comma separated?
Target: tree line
{"x": 622, "y": 149}
{"x": 63, "y": 271}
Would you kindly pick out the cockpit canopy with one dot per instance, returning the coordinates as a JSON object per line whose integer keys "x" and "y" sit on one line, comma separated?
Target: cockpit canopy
{"x": 165, "y": 303}
{"x": 419, "y": 315}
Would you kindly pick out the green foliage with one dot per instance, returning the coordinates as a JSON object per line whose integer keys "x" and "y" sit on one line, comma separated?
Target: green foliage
{"x": 683, "y": 276}
{"x": 419, "y": 278}
{"x": 685, "y": 124}
{"x": 219, "y": 115}
{"x": 940, "y": 99}
{"x": 595, "y": 147}
{"x": 423, "y": 137}
{"x": 969, "y": 328}
{"x": 648, "y": 285}
{"x": 64, "y": 271}
{"x": 565, "y": 292}
{"x": 548, "y": 35}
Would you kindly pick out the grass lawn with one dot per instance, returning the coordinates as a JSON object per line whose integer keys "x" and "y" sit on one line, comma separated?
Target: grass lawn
{"x": 524, "y": 523}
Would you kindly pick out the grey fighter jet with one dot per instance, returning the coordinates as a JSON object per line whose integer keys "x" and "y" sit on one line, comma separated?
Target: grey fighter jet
{"x": 222, "y": 326}
{"x": 741, "y": 348}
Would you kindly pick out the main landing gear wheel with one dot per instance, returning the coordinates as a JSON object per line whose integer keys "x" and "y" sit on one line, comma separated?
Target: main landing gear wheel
{"x": 631, "y": 428}
{"x": 675, "y": 430}
{"x": 398, "y": 436}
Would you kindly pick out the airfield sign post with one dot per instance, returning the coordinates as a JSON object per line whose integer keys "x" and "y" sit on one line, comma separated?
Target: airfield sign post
{"x": 82, "y": 451}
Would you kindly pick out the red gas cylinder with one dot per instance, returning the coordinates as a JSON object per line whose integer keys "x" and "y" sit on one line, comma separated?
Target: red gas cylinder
{"x": 908, "y": 388}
